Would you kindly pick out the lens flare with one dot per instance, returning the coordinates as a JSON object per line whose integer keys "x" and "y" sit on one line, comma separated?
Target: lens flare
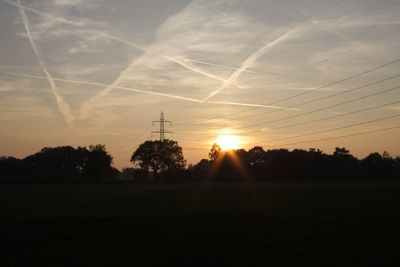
{"x": 228, "y": 142}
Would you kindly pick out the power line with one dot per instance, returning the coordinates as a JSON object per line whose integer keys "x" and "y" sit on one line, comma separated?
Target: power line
{"x": 362, "y": 45}
{"x": 336, "y": 82}
{"x": 316, "y": 89}
{"x": 330, "y": 117}
{"x": 120, "y": 148}
{"x": 188, "y": 123}
{"x": 329, "y": 96}
{"x": 324, "y": 61}
{"x": 320, "y": 109}
{"x": 336, "y": 116}
{"x": 336, "y": 137}
{"x": 340, "y": 128}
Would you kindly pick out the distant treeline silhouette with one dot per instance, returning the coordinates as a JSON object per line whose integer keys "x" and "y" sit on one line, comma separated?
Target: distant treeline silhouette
{"x": 296, "y": 165}
{"x": 163, "y": 162}
{"x": 60, "y": 165}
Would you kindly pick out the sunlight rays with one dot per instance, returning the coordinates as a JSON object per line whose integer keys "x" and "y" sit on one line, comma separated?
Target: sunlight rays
{"x": 228, "y": 142}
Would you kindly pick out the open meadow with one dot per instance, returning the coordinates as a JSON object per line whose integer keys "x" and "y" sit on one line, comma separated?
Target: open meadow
{"x": 229, "y": 224}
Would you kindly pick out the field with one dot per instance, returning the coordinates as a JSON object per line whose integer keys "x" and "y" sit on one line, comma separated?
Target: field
{"x": 200, "y": 225}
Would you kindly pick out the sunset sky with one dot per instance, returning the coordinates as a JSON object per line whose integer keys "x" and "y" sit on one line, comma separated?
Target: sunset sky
{"x": 81, "y": 72}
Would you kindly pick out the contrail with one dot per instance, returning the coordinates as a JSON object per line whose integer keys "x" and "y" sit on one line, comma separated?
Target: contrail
{"x": 87, "y": 105}
{"x": 118, "y": 39}
{"x": 194, "y": 100}
{"x": 153, "y": 52}
{"x": 17, "y": 67}
{"x": 248, "y": 62}
{"x": 233, "y": 68}
{"x": 75, "y": 22}
{"x": 103, "y": 85}
{"x": 159, "y": 94}
{"x": 216, "y": 65}
{"x": 63, "y": 107}
{"x": 249, "y": 105}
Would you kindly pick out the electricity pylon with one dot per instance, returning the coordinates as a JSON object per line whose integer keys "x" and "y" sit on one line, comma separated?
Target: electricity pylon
{"x": 162, "y": 130}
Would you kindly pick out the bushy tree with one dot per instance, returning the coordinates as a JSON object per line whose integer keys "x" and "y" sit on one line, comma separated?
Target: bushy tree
{"x": 159, "y": 156}
{"x": 63, "y": 164}
{"x": 214, "y": 152}
{"x": 11, "y": 170}
{"x": 98, "y": 163}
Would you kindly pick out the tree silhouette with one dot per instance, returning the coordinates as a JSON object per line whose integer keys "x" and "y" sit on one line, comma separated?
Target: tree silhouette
{"x": 256, "y": 157}
{"x": 63, "y": 164}
{"x": 98, "y": 163}
{"x": 56, "y": 165}
{"x": 165, "y": 161}
{"x": 159, "y": 156}
{"x": 214, "y": 152}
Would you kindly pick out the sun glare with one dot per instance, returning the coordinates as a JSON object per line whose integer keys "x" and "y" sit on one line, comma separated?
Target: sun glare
{"x": 228, "y": 142}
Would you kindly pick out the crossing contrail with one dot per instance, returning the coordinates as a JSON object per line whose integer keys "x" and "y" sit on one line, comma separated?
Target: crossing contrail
{"x": 87, "y": 105}
{"x": 63, "y": 107}
{"x": 77, "y": 23}
{"x": 194, "y": 100}
{"x": 118, "y": 39}
{"x": 249, "y": 105}
{"x": 250, "y": 61}
{"x": 103, "y": 85}
{"x": 216, "y": 65}
{"x": 166, "y": 57}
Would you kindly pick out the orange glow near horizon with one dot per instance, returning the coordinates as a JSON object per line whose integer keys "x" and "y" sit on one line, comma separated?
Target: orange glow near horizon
{"x": 229, "y": 142}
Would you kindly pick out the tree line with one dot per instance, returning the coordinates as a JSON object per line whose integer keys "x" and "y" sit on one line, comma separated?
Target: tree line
{"x": 257, "y": 164}
{"x": 163, "y": 162}
{"x": 297, "y": 165}
{"x": 63, "y": 164}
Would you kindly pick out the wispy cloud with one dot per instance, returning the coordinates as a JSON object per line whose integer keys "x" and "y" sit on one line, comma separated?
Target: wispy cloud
{"x": 63, "y": 107}
{"x": 145, "y": 91}
{"x": 87, "y": 105}
{"x": 81, "y": 4}
{"x": 86, "y": 24}
{"x": 250, "y": 61}
{"x": 249, "y": 105}
{"x": 7, "y": 86}
{"x": 124, "y": 61}
{"x": 102, "y": 85}
{"x": 174, "y": 38}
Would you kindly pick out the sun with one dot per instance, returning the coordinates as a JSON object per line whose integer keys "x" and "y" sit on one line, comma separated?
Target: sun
{"x": 228, "y": 142}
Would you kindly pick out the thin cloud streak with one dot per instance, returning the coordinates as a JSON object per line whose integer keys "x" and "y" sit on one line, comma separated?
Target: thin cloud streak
{"x": 118, "y": 39}
{"x": 63, "y": 107}
{"x": 88, "y": 105}
{"x": 76, "y": 22}
{"x": 102, "y": 85}
{"x": 144, "y": 91}
{"x": 250, "y": 61}
{"x": 217, "y": 65}
{"x": 172, "y": 59}
{"x": 249, "y": 105}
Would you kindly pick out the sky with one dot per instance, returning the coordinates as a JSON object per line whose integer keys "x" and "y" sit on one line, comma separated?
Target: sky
{"x": 290, "y": 73}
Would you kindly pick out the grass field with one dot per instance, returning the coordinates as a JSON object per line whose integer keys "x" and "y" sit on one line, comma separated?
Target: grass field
{"x": 193, "y": 225}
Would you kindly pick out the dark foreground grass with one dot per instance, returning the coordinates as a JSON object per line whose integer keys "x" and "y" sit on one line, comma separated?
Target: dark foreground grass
{"x": 192, "y": 225}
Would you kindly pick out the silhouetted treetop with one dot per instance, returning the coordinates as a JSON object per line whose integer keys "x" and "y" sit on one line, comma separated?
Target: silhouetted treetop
{"x": 63, "y": 164}
{"x": 157, "y": 156}
{"x": 214, "y": 152}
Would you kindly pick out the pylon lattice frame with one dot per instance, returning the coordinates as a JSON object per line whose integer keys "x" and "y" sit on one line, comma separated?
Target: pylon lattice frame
{"x": 162, "y": 130}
